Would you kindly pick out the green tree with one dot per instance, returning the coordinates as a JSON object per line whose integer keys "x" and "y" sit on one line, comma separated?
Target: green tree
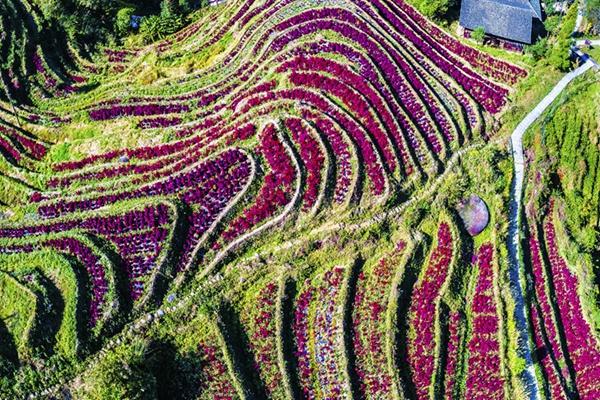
{"x": 150, "y": 28}
{"x": 157, "y": 27}
{"x": 558, "y": 55}
{"x": 550, "y": 6}
{"x": 169, "y": 8}
{"x": 552, "y": 23}
{"x": 185, "y": 6}
{"x": 123, "y": 20}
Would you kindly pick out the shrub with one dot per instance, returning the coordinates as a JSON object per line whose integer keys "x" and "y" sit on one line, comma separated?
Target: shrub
{"x": 552, "y": 23}
{"x": 169, "y": 8}
{"x": 558, "y": 55}
{"x": 538, "y": 50}
{"x": 123, "y": 21}
{"x": 187, "y": 6}
{"x": 122, "y": 374}
{"x": 157, "y": 27}
{"x": 478, "y": 34}
{"x": 434, "y": 8}
{"x": 150, "y": 28}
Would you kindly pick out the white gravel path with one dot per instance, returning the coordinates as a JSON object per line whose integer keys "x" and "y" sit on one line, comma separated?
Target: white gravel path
{"x": 581, "y": 42}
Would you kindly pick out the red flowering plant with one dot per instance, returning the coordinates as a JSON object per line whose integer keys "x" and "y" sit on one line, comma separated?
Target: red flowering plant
{"x": 369, "y": 325}
{"x": 424, "y": 311}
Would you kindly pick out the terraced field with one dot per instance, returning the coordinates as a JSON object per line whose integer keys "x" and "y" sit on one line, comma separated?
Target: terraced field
{"x": 266, "y": 203}
{"x": 562, "y": 256}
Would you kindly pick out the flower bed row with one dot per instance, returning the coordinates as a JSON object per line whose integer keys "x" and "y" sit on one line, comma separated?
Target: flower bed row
{"x": 103, "y": 225}
{"x": 139, "y": 236}
{"x": 545, "y": 358}
{"x": 582, "y": 345}
{"x": 341, "y": 150}
{"x": 31, "y": 146}
{"x": 7, "y": 147}
{"x": 259, "y": 320}
{"x": 453, "y": 351}
{"x": 369, "y": 326}
{"x": 355, "y": 131}
{"x": 424, "y": 313}
{"x": 318, "y": 333}
{"x": 186, "y": 180}
{"x": 543, "y": 321}
{"x": 117, "y": 111}
{"x": 215, "y": 382}
{"x": 277, "y": 187}
{"x": 208, "y": 202}
{"x": 312, "y": 157}
{"x": 159, "y": 122}
{"x": 484, "y": 374}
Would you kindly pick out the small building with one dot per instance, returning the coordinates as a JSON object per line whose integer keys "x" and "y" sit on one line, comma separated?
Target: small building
{"x": 515, "y": 21}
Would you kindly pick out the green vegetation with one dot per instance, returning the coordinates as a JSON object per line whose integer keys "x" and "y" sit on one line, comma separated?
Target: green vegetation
{"x": 18, "y": 319}
{"x": 123, "y": 20}
{"x": 124, "y": 374}
{"x": 592, "y": 11}
{"x": 156, "y": 27}
{"x": 538, "y": 50}
{"x": 565, "y": 173}
{"x": 434, "y": 8}
{"x": 96, "y": 22}
{"x": 53, "y": 276}
{"x": 52, "y": 38}
{"x": 554, "y": 48}
{"x": 566, "y": 145}
{"x": 478, "y": 34}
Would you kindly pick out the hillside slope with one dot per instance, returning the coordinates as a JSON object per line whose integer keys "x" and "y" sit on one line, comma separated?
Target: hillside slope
{"x": 270, "y": 202}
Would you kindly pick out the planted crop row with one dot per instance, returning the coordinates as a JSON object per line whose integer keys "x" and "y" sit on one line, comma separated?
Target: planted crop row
{"x": 370, "y": 326}
{"x": 484, "y": 375}
{"x": 582, "y": 345}
{"x": 423, "y": 312}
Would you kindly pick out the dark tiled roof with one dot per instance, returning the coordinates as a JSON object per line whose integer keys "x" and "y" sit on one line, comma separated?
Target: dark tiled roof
{"x": 537, "y": 8}
{"x": 509, "y": 19}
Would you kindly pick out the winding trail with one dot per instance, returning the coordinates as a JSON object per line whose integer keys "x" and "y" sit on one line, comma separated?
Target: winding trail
{"x": 514, "y": 251}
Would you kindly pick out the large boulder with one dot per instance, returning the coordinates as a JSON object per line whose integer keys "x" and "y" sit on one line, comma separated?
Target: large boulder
{"x": 474, "y": 213}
